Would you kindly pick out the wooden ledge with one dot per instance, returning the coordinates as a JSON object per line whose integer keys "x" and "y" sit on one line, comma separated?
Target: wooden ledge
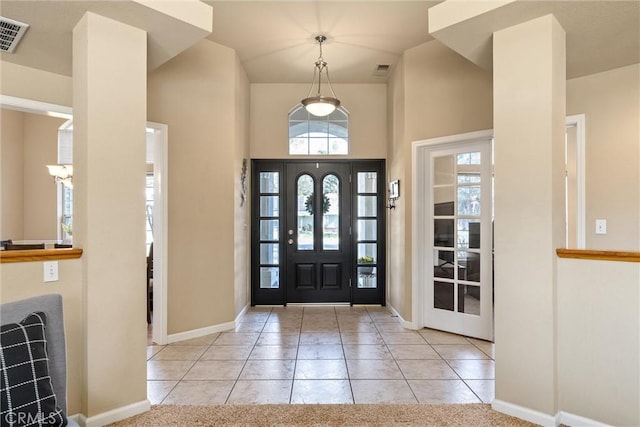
{"x": 599, "y": 255}
{"x": 40, "y": 255}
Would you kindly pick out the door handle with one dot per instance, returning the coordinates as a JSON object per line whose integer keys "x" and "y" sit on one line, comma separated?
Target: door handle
{"x": 290, "y": 241}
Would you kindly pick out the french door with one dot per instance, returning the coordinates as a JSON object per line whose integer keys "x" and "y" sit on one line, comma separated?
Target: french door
{"x": 458, "y": 213}
{"x": 318, "y": 232}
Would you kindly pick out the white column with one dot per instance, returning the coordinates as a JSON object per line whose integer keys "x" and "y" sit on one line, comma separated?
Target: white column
{"x": 109, "y": 105}
{"x": 529, "y": 115}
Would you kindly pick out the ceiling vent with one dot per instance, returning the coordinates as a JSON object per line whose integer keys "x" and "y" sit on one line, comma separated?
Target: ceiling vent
{"x": 382, "y": 70}
{"x": 10, "y": 34}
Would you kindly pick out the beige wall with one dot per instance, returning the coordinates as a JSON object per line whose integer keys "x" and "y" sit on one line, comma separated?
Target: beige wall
{"x": 398, "y": 293}
{"x": 23, "y": 280}
{"x": 12, "y": 175}
{"x": 439, "y": 93}
{"x": 30, "y": 83}
{"x": 195, "y": 95}
{"x": 611, "y": 103}
{"x": 599, "y": 340}
{"x": 29, "y": 143}
{"x": 271, "y": 103}
{"x": 40, "y": 192}
{"x": 242, "y": 209}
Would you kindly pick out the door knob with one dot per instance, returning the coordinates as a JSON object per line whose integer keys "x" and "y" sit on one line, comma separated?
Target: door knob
{"x": 290, "y": 241}
{"x": 290, "y": 232}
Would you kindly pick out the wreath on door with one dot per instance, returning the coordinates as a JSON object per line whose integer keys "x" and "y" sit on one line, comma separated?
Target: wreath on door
{"x": 308, "y": 204}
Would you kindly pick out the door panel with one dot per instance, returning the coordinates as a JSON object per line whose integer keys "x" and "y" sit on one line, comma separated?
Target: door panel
{"x": 459, "y": 289}
{"x": 318, "y": 250}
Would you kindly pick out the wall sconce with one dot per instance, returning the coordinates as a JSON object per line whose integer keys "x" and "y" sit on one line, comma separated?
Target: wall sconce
{"x": 394, "y": 193}
{"x": 62, "y": 174}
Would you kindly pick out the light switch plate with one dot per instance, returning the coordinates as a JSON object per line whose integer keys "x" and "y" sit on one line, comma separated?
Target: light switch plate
{"x": 601, "y": 226}
{"x": 51, "y": 271}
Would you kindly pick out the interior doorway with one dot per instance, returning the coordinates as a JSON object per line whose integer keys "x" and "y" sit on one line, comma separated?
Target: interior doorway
{"x": 456, "y": 234}
{"x": 318, "y": 232}
{"x": 157, "y": 145}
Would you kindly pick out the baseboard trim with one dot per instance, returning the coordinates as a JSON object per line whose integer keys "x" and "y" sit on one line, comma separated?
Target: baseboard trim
{"x": 524, "y": 413}
{"x": 201, "y": 332}
{"x": 240, "y": 315}
{"x": 405, "y": 324}
{"x": 576, "y": 420}
{"x": 115, "y": 414}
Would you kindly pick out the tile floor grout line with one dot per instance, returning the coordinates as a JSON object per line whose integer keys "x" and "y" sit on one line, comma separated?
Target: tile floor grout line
{"x": 295, "y": 362}
{"x": 235, "y": 383}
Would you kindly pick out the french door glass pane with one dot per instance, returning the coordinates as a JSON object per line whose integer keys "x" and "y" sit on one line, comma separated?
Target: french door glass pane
{"x": 469, "y": 299}
{"x": 443, "y": 200}
{"x": 270, "y": 206}
{"x": 443, "y": 170}
{"x": 469, "y": 263}
{"x": 305, "y": 212}
{"x": 469, "y": 177}
{"x": 367, "y": 205}
{"x": 331, "y": 214}
{"x": 269, "y": 229}
{"x": 443, "y": 297}
{"x": 269, "y": 277}
{"x": 469, "y": 158}
{"x": 469, "y": 200}
{"x": 443, "y": 266}
{"x": 269, "y": 182}
{"x": 469, "y": 233}
{"x": 367, "y": 182}
{"x": 443, "y": 234}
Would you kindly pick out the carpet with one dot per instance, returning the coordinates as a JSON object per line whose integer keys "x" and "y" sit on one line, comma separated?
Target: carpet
{"x": 476, "y": 415}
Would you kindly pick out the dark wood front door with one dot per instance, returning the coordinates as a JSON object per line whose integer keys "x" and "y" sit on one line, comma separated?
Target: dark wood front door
{"x": 318, "y": 232}
{"x": 318, "y": 244}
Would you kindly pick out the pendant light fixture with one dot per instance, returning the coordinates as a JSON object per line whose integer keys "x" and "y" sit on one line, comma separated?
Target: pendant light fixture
{"x": 319, "y": 105}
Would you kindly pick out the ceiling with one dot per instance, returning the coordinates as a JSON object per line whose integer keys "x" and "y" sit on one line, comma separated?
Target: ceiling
{"x": 275, "y": 39}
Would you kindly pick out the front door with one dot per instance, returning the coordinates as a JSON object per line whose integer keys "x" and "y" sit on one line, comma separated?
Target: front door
{"x": 318, "y": 232}
{"x": 318, "y": 216}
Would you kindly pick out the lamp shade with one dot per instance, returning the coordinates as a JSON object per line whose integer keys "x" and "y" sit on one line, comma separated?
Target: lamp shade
{"x": 320, "y": 105}
{"x": 61, "y": 171}
{"x": 62, "y": 174}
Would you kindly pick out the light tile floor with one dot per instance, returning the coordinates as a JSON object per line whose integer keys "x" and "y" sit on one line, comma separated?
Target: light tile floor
{"x": 322, "y": 355}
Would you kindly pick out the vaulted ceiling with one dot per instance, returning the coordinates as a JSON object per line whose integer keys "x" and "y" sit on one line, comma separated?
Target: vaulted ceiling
{"x": 275, "y": 39}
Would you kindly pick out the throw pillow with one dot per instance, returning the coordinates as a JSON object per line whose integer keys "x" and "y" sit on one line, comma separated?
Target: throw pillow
{"x": 26, "y": 393}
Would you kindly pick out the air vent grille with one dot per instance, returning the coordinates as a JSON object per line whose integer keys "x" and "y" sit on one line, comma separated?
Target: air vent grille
{"x": 381, "y": 70}
{"x": 10, "y": 34}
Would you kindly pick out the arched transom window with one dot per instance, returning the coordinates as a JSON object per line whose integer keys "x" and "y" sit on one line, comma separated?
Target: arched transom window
{"x": 312, "y": 135}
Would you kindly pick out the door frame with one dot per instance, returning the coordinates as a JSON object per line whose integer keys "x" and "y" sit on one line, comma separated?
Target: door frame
{"x": 420, "y": 215}
{"x": 161, "y": 224}
{"x": 278, "y": 296}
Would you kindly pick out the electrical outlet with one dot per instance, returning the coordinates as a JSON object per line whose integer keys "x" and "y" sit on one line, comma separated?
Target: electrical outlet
{"x": 601, "y": 226}
{"x": 51, "y": 271}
